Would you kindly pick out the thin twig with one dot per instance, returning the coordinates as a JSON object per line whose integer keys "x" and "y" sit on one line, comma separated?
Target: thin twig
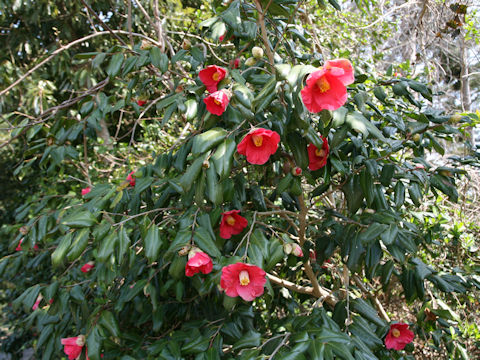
{"x": 261, "y": 21}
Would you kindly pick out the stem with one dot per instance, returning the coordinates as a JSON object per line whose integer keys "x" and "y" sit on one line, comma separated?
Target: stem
{"x": 261, "y": 21}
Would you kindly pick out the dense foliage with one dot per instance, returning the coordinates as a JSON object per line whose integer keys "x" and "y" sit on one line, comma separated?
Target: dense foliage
{"x": 122, "y": 161}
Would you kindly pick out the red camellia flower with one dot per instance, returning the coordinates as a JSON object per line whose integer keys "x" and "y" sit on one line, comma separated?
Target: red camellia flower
{"x": 258, "y": 145}
{"x": 19, "y": 246}
{"x": 87, "y": 267}
{"x": 244, "y": 280}
{"x": 217, "y": 102}
{"x": 232, "y": 224}
{"x": 73, "y": 346}
{"x": 318, "y": 157}
{"x": 221, "y": 38}
{"x": 86, "y": 190}
{"x": 326, "y": 87}
{"x": 211, "y": 76}
{"x": 398, "y": 336}
{"x": 141, "y": 102}
{"x": 198, "y": 261}
{"x": 131, "y": 179}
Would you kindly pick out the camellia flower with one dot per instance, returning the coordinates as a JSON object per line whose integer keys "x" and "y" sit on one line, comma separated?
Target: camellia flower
{"x": 232, "y": 224}
{"x": 297, "y": 250}
{"x": 326, "y": 87}
{"x": 141, "y": 102}
{"x": 211, "y": 76}
{"x": 258, "y": 145}
{"x": 398, "y": 336}
{"x": 217, "y": 102}
{"x": 19, "y": 246}
{"x": 37, "y": 302}
{"x": 318, "y": 157}
{"x": 131, "y": 179}
{"x": 87, "y": 267}
{"x": 73, "y": 346}
{"x": 198, "y": 261}
{"x": 86, "y": 190}
{"x": 244, "y": 280}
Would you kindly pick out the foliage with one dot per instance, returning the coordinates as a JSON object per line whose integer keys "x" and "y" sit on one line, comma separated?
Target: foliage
{"x": 372, "y": 211}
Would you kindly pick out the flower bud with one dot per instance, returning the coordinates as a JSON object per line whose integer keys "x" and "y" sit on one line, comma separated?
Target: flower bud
{"x": 297, "y": 250}
{"x": 417, "y": 138}
{"x": 23, "y": 230}
{"x": 257, "y": 52}
{"x": 455, "y": 119}
{"x": 250, "y": 61}
{"x": 184, "y": 250}
{"x": 146, "y": 45}
{"x": 186, "y": 45}
{"x": 297, "y": 171}
{"x": 287, "y": 249}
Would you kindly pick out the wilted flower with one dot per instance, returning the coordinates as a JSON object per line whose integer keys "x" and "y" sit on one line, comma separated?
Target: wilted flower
{"x": 198, "y": 262}
{"x": 318, "y": 157}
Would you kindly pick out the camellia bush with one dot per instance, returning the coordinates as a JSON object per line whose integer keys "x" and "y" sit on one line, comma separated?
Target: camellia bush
{"x": 224, "y": 191}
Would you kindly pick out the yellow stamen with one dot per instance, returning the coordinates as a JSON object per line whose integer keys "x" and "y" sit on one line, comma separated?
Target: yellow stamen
{"x": 230, "y": 220}
{"x": 396, "y": 333}
{"x": 216, "y": 76}
{"x": 323, "y": 84}
{"x": 216, "y": 101}
{"x": 244, "y": 278}
{"x": 257, "y": 140}
{"x": 320, "y": 152}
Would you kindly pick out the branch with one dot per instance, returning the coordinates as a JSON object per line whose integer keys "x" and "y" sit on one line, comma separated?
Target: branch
{"x": 261, "y": 21}
{"x": 66, "y": 47}
{"x": 377, "y": 302}
{"x": 289, "y": 285}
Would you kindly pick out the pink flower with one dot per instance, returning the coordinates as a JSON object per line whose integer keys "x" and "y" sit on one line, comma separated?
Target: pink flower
{"x": 244, "y": 280}
{"x": 232, "y": 224}
{"x": 35, "y": 247}
{"x": 141, "y": 102}
{"x": 19, "y": 246}
{"x": 211, "y": 76}
{"x": 297, "y": 250}
{"x": 86, "y": 190}
{"x": 326, "y": 87}
{"x": 235, "y": 63}
{"x": 198, "y": 262}
{"x": 318, "y": 157}
{"x": 131, "y": 179}
{"x": 37, "y": 302}
{"x": 258, "y": 145}
{"x": 87, "y": 267}
{"x": 398, "y": 336}
{"x": 217, "y": 102}
{"x": 73, "y": 346}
